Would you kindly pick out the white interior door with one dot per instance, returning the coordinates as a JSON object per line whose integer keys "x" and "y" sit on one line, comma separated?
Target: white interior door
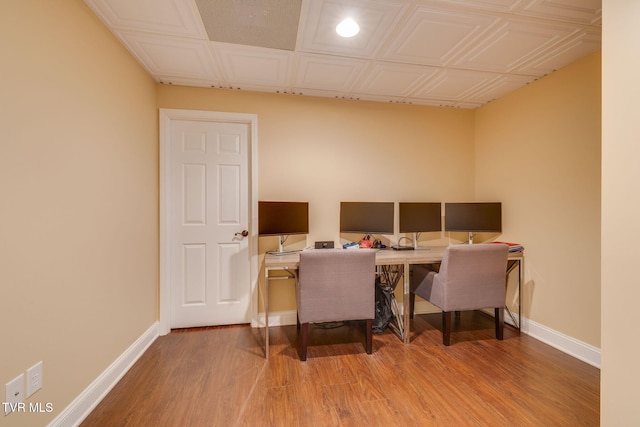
{"x": 209, "y": 222}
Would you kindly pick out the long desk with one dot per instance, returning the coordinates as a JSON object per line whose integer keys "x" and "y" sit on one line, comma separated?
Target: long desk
{"x": 385, "y": 257}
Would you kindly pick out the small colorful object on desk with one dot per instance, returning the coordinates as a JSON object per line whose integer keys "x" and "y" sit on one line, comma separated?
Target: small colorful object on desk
{"x": 351, "y": 245}
{"x": 513, "y": 247}
{"x": 366, "y": 243}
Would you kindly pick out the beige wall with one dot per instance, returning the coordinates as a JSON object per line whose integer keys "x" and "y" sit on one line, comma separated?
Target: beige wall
{"x": 325, "y": 151}
{"x": 538, "y": 151}
{"x": 620, "y": 213}
{"x": 78, "y": 199}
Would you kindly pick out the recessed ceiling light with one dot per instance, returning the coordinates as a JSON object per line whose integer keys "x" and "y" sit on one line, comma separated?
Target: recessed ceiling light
{"x": 348, "y": 28}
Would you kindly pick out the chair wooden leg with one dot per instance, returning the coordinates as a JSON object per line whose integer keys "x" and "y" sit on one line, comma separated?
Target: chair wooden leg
{"x": 499, "y": 315}
{"x": 446, "y": 327}
{"x": 457, "y": 318}
{"x": 304, "y": 331}
{"x": 369, "y": 334}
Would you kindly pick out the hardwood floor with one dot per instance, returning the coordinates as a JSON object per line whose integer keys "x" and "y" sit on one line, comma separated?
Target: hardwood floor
{"x": 219, "y": 377}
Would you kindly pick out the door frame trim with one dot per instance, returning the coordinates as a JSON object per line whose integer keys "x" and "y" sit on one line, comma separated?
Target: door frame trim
{"x": 166, "y": 116}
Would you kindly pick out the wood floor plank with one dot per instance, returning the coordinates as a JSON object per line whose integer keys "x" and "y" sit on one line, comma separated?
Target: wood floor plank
{"x": 312, "y": 408}
{"x": 218, "y": 377}
{"x": 343, "y": 404}
{"x": 271, "y": 407}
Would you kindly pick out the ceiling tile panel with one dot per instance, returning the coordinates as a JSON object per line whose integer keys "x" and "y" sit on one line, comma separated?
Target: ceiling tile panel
{"x": 393, "y": 79}
{"x": 581, "y": 11}
{"x": 174, "y": 17}
{"x": 498, "y": 88}
{"x": 375, "y": 18}
{"x": 482, "y": 5}
{"x": 454, "y": 84}
{"x": 255, "y": 67}
{"x": 327, "y": 72}
{"x": 566, "y": 52}
{"x": 513, "y": 44}
{"x": 264, "y": 23}
{"x": 172, "y": 57}
{"x": 432, "y": 37}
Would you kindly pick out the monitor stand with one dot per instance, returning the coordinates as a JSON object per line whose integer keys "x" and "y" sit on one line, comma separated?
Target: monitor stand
{"x": 415, "y": 243}
{"x": 281, "y": 250}
{"x": 407, "y": 248}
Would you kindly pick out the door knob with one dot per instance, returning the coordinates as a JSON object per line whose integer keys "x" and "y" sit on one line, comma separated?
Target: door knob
{"x": 244, "y": 233}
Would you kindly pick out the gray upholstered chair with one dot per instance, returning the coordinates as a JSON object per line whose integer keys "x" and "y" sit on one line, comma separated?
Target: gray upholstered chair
{"x": 335, "y": 285}
{"x": 471, "y": 277}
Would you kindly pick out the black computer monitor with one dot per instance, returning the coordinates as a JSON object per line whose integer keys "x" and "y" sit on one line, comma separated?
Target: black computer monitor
{"x": 366, "y": 217}
{"x": 473, "y": 217}
{"x": 282, "y": 219}
{"x": 420, "y": 217}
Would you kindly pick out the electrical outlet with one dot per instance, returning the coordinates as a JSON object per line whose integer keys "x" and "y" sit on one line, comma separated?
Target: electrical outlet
{"x": 34, "y": 378}
{"x": 324, "y": 245}
{"x": 14, "y": 398}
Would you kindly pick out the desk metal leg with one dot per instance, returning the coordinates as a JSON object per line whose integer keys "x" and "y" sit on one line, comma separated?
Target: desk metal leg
{"x": 520, "y": 282}
{"x": 390, "y": 277}
{"x": 291, "y": 274}
{"x": 405, "y": 302}
{"x": 266, "y": 315}
{"x": 513, "y": 264}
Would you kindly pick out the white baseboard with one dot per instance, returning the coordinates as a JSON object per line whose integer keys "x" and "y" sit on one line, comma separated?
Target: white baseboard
{"x": 279, "y": 318}
{"x": 571, "y": 346}
{"x": 422, "y": 307}
{"x": 82, "y": 405}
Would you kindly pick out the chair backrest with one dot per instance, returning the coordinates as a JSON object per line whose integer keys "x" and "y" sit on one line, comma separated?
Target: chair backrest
{"x": 336, "y": 284}
{"x": 473, "y": 276}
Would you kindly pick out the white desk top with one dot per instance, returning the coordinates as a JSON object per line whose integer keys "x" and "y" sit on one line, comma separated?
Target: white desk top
{"x": 383, "y": 257}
